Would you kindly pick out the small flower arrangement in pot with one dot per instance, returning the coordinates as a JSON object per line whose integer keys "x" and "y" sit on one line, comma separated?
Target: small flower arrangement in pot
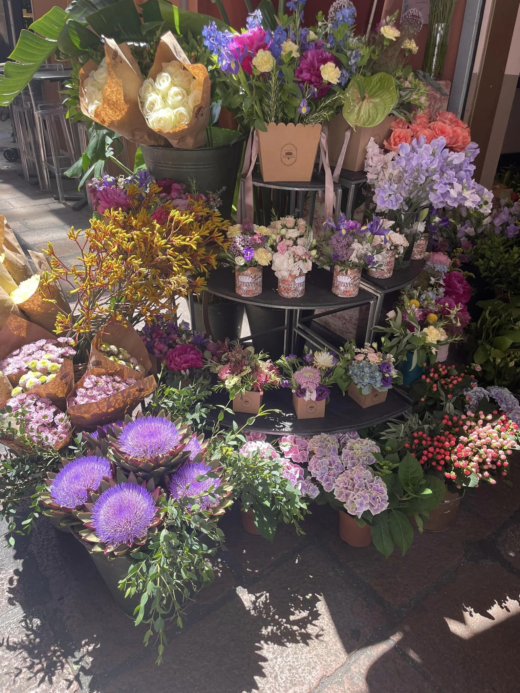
{"x": 293, "y": 243}
{"x": 345, "y": 249}
{"x": 386, "y": 246}
{"x": 248, "y": 253}
{"x": 245, "y": 375}
{"x": 371, "y": 373}
{"x": 310, "y": 379}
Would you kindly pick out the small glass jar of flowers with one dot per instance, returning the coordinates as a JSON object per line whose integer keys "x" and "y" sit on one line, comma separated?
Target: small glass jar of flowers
{"x": 310, "y": 379}
{"x": 248, "y": 253}
{"x": 245, "y": 375}
{"x": 386, "y": 245}
{"x": 371, "y": 373}
{"x": 293, "y": 243}
{"x": 345, "y": 249}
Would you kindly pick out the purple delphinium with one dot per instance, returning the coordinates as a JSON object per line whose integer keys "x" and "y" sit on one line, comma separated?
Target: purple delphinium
{"x": 184, "y": 484}
{"x": 148, "y": 437}
{"x": 71, "y": 486}
{"x": 123, "y": 514}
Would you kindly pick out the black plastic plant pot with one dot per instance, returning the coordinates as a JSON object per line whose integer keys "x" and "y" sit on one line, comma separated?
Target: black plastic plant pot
{"x": 225, "y": 319}
{"x": 212, "y": 168}
{"x": 113, "y": 570}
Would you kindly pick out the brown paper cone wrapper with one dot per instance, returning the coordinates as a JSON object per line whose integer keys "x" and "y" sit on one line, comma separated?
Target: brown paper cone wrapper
{"x": 43, "y": 307}
{"x": 14, "y": 260}
{"x": 89, "y": 416}
{"x": 16, "y": 332}
{"x": 7, "y": 283}
{"x": 19, "y": 447}
{"x": 5, "y": 390}
{"x": 7, "y": 307}
{"x": 121, "y": 336}
{"x": 192, "y": 135}
{"x": 119, "y": 110}
{"x": 58, "y": 389}
{"x": 42, "y": 265}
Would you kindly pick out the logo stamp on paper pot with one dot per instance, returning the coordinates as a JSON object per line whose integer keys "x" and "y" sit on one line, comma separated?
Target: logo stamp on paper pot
{"x": 289, "y": 154}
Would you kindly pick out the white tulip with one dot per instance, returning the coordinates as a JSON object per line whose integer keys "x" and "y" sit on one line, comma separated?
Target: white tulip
{"x": 176, "y": 97}
{"x": 163, "y": 83}
{"x": 152, "y": 104}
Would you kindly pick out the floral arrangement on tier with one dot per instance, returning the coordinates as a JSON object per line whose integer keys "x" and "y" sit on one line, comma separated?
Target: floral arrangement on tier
{"x": 248, "y": 246}
{"x": 239, "y": 369}
{"x": 293, "y": 253}
{"x": 369, "y": 368}
{"x": 384, "y": 246}
{"x": 311, "y": 376}
{"x": 456, "y": 133}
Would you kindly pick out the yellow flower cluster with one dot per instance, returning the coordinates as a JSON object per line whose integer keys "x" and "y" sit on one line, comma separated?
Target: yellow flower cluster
{"x": 390, "y": 32}
{"x": 434, "y": 334}
{"x": 410, "y": 45}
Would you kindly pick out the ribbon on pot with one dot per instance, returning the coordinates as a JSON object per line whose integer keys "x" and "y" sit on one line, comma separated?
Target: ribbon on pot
{"x": 341, "y": 157}
{"x": 329, "y": 182}
{"x": 245, "y": 196}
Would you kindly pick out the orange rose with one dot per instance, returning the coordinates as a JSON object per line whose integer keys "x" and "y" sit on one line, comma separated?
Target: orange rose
{"x": 400, "y": 124}
{"x": 426, "y": 132}
{"x": 441, "y": 129}
{"x": 459, "y": 140}
{"x": 398, "y": 137}
{"x": 423, "y": 118}
{"x": 450, "y": 119}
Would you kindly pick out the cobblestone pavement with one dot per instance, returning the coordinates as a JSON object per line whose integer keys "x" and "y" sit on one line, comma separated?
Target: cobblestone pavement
{"x": 300, "y": 615}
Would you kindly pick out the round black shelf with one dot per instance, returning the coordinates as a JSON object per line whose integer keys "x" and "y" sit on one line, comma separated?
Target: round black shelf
{"x": 341, "y": 414}
{"x": 316, "y": 184}
{"x": 318, "y": 294}
{"x": 399, "y": 279}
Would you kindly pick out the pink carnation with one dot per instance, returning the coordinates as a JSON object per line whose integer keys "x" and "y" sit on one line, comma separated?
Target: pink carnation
{"x": 183, "y": 357}
{"x": 308, "y": 71}
{"x": 457, "y": 288}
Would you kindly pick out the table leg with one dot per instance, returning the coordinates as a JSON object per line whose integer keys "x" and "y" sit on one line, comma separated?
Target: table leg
{"x": 350, "y": 201}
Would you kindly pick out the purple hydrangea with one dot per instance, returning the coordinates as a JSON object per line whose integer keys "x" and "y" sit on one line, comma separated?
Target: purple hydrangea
{"x": 184, "y": 484}
{"x": 149, "y": 437}
{"x": 359, "y": 490}
{"x": 123, "y": 514}
{"x": 72, "y": 484}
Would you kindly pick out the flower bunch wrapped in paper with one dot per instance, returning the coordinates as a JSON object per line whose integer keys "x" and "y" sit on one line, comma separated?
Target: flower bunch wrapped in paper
{"x": 29, "y": 420}
{"x": 119, "y": 343}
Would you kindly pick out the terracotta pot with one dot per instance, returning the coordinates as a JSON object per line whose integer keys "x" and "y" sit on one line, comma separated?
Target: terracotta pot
{"x": 359, "y": 138}
{"x": 442, "y": 353}
{"x": 419, "y": 247}
{"x": 292, "y": 287}
{"x": 249, "y": 282}
{"x": 308, "y": 409}
{"x": 345, "y": 282}
{"x": 288, "y": 152}
{"x": 248, "y": 522}
{"x": 351, "y": 532}
{"x": 443, "y": 516}
{"x": 386, "y": 266}
{"x": 247, "y": 402}
{"x": 364, "y": 401}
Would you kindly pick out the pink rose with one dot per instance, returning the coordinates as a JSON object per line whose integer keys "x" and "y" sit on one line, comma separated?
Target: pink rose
{"x": 439, "y": 259}
{"x": 457, "y": 288}
{"x": 183, "y": 357}
{"x": 372, "y": 358}
{"x": 441, "y": 129}
{"x": 398, "y": 137}
{"x": 450, "y": 119}
{"x": 359, "y": 357}
{"x": 283, "y": 247}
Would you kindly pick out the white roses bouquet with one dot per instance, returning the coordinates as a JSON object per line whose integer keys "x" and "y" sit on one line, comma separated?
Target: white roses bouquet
{"x": 294, "y": 247}
{"x": 93, "y": 88}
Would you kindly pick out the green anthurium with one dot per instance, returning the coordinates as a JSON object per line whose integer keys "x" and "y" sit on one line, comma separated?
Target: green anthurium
{"x": 368, "y": 100}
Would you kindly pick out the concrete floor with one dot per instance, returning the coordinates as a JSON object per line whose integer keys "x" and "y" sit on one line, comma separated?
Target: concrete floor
{"x": 300, "y": 615}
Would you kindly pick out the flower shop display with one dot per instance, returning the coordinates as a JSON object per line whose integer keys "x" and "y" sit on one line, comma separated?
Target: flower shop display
{"x": 175, "y": 346}
{"x": 345, "y": 250}
{"x": 385, "y": 246}
{"x": 310, "y": 379}
{"x": 248, "y": 253}
{"x": 245, "y": 375}
{"x": 293, "y": 246}
{"x": 370, "y": 373}
{"x": 445, "y": 124}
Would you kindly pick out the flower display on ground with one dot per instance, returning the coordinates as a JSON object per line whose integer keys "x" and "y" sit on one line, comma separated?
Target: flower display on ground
{"x": 97, "y": 387}
{"x": 184, "y": 484}
{"x": 123, "y": 514}
{"x": 39, "y": 420}
{"x": 359, "y": 490}
{"x": 73, "y": 484}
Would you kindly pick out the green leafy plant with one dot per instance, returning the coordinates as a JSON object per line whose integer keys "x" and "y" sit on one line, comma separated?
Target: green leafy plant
{"x": 369, "y": 100}
{"x": 399, "y": 340}
{"x": 497, "y": 259}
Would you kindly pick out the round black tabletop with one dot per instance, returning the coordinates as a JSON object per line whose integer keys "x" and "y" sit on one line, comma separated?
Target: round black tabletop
{"x": 341, "y": 414}
{"x": 399, "y": 279}
{"x": 318, "y": 294}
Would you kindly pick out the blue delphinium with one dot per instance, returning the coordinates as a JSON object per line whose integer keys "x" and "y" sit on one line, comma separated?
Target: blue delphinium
{"x": 123, "y": 514}
{"x": 72, "y": 484}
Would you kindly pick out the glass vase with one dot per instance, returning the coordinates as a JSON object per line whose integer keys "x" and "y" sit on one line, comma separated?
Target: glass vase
{"x": 441, "y": 13}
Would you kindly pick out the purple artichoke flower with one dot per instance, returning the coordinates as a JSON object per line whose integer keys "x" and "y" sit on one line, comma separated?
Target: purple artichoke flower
{"x": 123, "y": 514}
{"x": 193, "y": 447}
{"x": 72, "y": 484}
{"x": 148, "y": 437}
{"x": 184, "y": 484}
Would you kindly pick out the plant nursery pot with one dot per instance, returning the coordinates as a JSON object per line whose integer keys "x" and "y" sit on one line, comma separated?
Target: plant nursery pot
{"x": 410, "y": 375}
{"x": 443, "y": 516}
{"x": 364, "y": 401}
{"x": 247, "y": 402}
{"x": 248, "y": 522}
{"x": 308, "y": 409}
{"x": 345, "y": 282}
{"x": 351, "y": 532}
{"x": 386, "y": 268}
{"x": 442, "y": 353}
{"x": 288, "y": 152}
{"x": 359, "y": 138}
{"x": 292, "y": 287}
{"x": 261, "y": 320}
{"x": 249, "y": 282}
{"x": 213, "y": 168}
{"x": 419, "y": 247}
{"x": 112, "y": 571}
{"x": 225, "y": 319}
{"x": 55, "y": 522}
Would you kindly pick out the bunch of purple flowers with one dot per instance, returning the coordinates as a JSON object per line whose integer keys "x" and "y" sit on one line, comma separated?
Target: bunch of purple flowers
{"x": 249, "y": 245}
{"x": 55, "y": 350}
{"x": 40, "y": 420}
{"x": 345, "y": 244}
{"x": 166, "y": 333}
{"x": 96, "y": 387}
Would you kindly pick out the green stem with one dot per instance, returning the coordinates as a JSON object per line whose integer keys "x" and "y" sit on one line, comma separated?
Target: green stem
{"x": 121, "y": 165}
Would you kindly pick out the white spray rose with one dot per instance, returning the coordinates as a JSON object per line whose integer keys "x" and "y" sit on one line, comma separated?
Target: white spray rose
{"x": 176, "y": 97}
{"x": 163, "y": 120}
{"x": 182, "y": 116}
{"x": 152, "y": 103}
{"x": 163, "y": 83}
{"x": 147, "y": 88}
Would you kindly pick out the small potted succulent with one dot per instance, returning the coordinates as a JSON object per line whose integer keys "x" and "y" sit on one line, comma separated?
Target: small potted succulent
{"x": 344, "y": 248}
{"x": 293, "y": 245}
{"x": 310, "y": 379}
{"x": 245, "y": 375}
{"x": 370, "y": 373}
{"x": 386, "y": 246}
{"x": 248, "y": 253}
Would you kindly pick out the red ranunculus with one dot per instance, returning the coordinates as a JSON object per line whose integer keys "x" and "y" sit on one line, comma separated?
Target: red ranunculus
{"x": 183, "y": 357}
{"x": 457, "y": 288}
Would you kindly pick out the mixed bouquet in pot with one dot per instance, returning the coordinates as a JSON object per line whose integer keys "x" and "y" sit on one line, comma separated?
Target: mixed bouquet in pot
{"x": 248, "y": 252}
{"x": 310, "y": 379}
{"x": 294, "y": 250}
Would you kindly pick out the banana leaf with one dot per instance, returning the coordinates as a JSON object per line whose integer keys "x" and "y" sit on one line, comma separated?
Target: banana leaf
{"x": 181, "y": 22}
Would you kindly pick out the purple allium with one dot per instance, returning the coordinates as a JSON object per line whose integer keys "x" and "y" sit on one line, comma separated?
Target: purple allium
{"x": 72, "y": 484}
{"x": 148, "y": 437}
{"x": 123, "y": 514}
{"x": 184, "y": 484}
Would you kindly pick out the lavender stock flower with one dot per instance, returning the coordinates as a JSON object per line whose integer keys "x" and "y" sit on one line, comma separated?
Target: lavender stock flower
{"x": 123, "y": 514}
{"x": 71, "y": 486}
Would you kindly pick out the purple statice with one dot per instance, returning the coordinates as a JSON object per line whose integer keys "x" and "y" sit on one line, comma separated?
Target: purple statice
{"x": 149, "y": 437}
{"x": 72, "y": 485}
{"x": 97, "y": 387}
{"x": 361, "y": 491}
{"x": 42, "y": 422}
{"x": 184, "y": 484}
{"x": 123, "y": 514}
{"x": 326, "y": 470}
{"x": 359, "y": 452}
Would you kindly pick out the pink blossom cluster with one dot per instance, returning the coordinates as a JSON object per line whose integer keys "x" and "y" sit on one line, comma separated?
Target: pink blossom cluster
{"x": 259, "y": 447}
{"x": 42, "y": 421}
{"x": 96, "y": 387}
{"x": 55, "y": 350}
{"x": 294, "y": 448}
{"x": 359, "y": 490}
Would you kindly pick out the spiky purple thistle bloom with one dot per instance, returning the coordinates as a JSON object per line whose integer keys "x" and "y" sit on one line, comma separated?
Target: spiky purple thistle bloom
{"x": 123, "y": 514}
{"x": 72, "y": 484}
{"x": 148, "y": 437}
{"x": 106, "y": 428}
{"x": 193, "y": 447}
{"x": 184, "y": 484}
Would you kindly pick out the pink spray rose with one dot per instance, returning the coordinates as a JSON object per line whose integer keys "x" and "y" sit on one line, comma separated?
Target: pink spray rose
{"x": 183, "y": 357}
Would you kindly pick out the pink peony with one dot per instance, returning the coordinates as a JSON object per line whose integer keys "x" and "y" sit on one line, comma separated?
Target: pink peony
{"x": 457, "y": 288}
{"x": 249, "y": 43}
{"x": 308, "y": 71}
{"x": 110, "y": 198}
{"x": 183, "y": 357}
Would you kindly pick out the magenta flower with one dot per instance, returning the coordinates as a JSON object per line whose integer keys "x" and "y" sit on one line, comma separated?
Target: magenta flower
{"x": 72, "y": 484}
{"x": 457, "y": 287}
{"x": 308, "y": 71}
{"x": 248, "y": 44}
{"x": 110, "y": 198}
{"x": 183, "y": 357}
